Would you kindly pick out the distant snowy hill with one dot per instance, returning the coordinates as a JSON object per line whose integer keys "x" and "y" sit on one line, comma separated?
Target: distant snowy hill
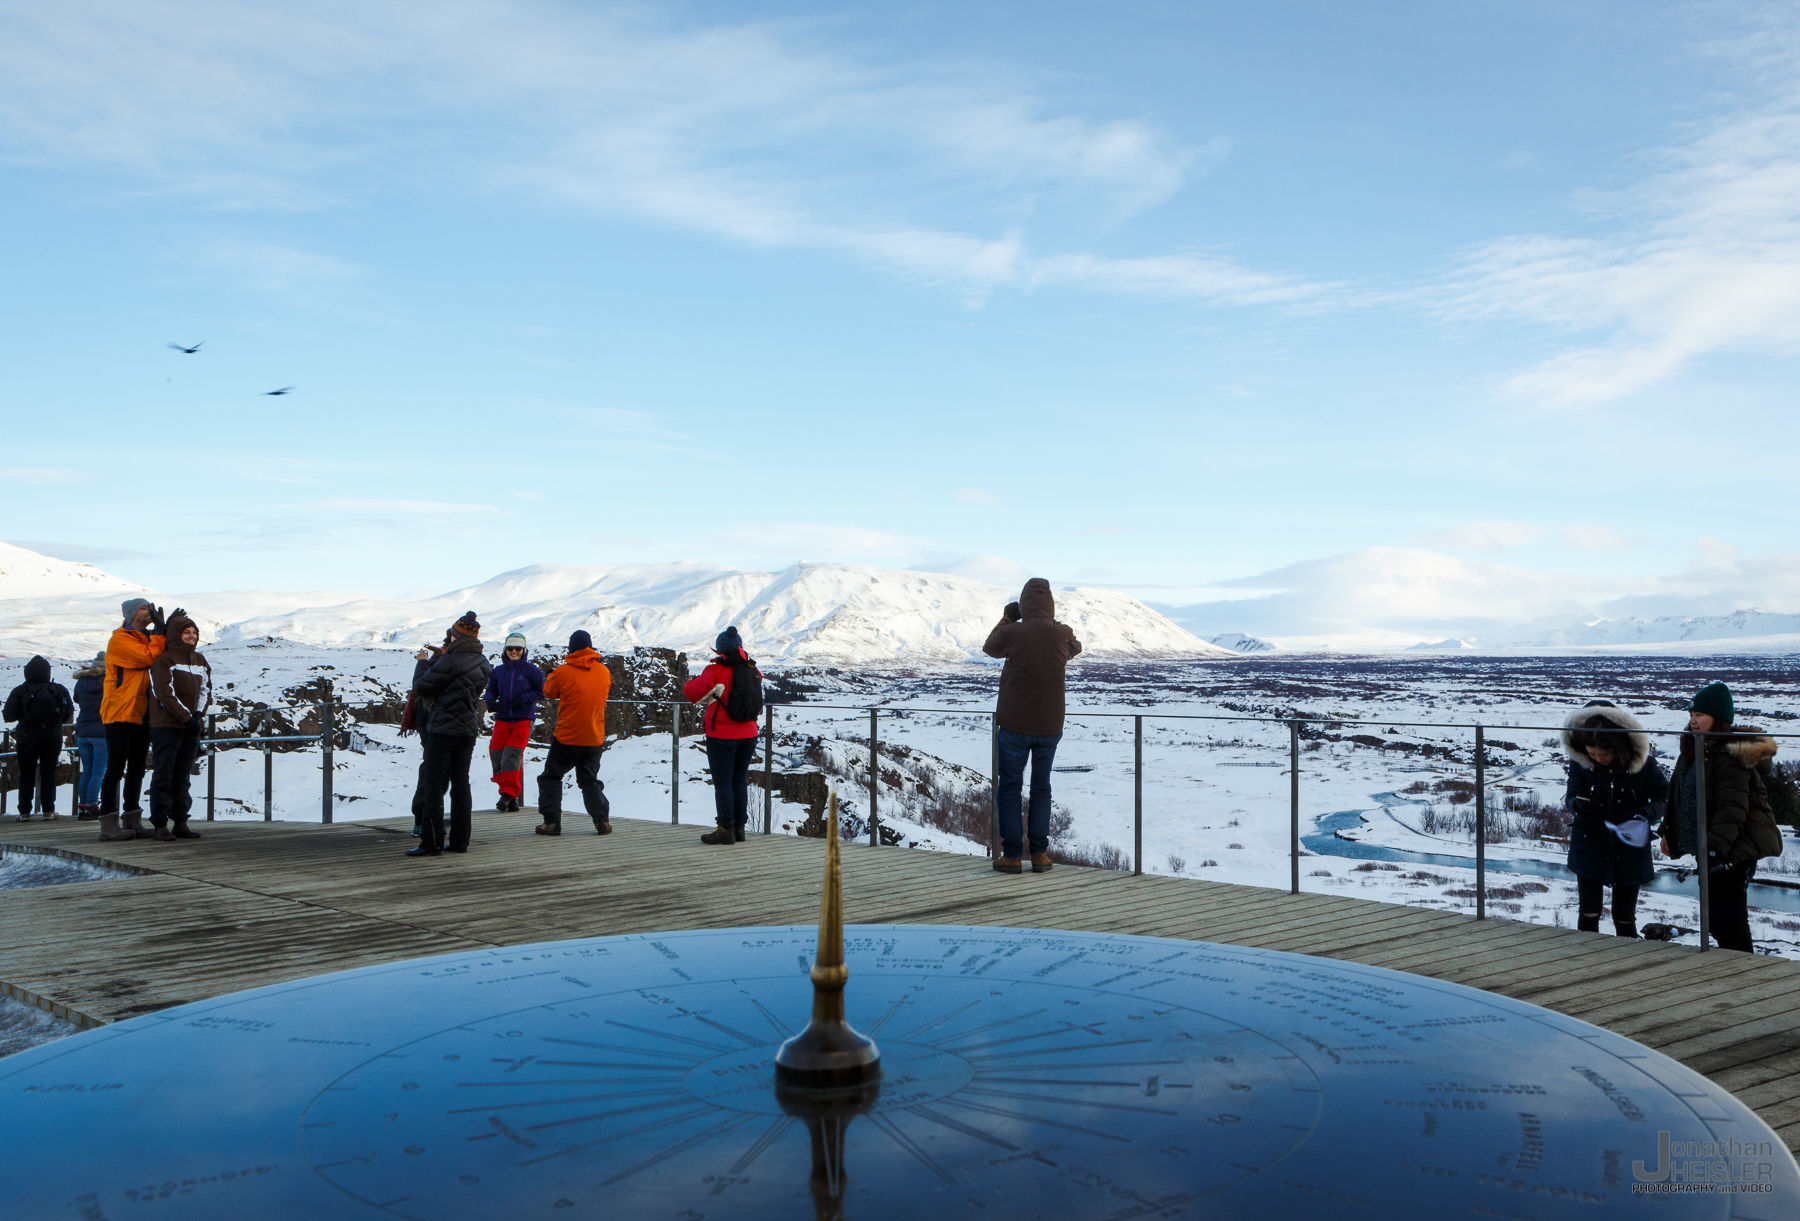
{"x": 821, "y": 613}
{"x": 1237, "y": 642}
{"x": 1750, "y": 626}
{"x": 26, "y": 574}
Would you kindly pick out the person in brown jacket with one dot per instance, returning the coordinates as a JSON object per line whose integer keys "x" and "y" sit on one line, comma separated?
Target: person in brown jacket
{"x": 1029, "y": 715}
{"x": 580, "y": 686}
{"x": 180, "y": 694}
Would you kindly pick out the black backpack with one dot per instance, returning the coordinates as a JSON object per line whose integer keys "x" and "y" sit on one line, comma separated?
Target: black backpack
{"x": 44, "y": 709}
{"x": 744, "y": 702}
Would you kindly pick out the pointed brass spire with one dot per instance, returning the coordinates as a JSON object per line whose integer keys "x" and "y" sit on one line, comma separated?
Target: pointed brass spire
{"x": 829, "y": 1053}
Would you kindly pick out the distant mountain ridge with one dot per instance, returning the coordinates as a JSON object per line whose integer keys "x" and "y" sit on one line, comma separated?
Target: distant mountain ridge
{"x": 817, "y": 613}
{"x": 1746, "y": 624}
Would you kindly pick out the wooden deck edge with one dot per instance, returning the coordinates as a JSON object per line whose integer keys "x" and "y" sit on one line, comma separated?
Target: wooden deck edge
{"x": 68, "y": 1013}
{"x": 80, "y": 858}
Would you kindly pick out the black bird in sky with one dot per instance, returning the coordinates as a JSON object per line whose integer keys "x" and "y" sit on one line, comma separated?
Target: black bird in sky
{"x": 184, "y": 348}
{"x": 283, "y": 390}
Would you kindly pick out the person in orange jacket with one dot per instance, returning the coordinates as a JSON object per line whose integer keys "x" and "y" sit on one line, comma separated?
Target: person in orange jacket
{"x": 580, "y": 685}
{"x": 133, "y": 649}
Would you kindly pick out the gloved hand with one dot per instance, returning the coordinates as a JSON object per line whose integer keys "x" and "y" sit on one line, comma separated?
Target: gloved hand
{"x": 158, "y": 624}
{"x": 1582, "y": 805}
{"x": 1012, "y": 613}
{"x": 1714, "y": 864}
{"x": 177, "y": 613}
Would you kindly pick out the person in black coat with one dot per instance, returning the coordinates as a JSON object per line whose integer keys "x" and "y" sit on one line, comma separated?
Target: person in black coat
{"x": 41, "y": 708}
{"x": 1615, "y": 792}
{"x": 452, "y": 686}
{"x": 90, "y": 736}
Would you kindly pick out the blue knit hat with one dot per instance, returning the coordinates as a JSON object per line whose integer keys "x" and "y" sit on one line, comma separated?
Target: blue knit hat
{"x": 729, "y": 642}
{"x": 580, "y": 640}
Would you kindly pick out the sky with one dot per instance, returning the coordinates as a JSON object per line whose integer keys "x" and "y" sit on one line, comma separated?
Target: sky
{"x": 1296, "y": 318}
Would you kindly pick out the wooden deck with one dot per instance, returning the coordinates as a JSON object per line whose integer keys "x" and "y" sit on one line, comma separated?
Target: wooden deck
{"x": 254, "y": 903}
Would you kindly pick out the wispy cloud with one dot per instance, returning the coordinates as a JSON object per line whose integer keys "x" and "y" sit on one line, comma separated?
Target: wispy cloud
{"x": 1491, "y": 537}
{"x": 978, "y": 496}
{"x": 41, "y": 474}
{"x": 760, "y": 133}
{"x": 817, "y": 541}
{"x": 1704, "y": 256}
{"x": 400, "y": 506}
{"x": 269, "y": 266}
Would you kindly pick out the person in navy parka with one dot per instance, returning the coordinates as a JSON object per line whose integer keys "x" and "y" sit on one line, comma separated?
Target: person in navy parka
{"x": 1615, "y": 794}
{"x": 512, "y": 695}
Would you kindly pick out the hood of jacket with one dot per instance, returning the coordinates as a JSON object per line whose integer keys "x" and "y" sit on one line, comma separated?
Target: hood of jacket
{"x": 582, "y": 659}
{"x": 91, "y": 672}
{"x": 37, "y": 670}
{"x": 1750, "y": 746}
{"x": 1036, "y": 601}
{"x": 1635, "y": 743}
{"x": 175, "y": 647}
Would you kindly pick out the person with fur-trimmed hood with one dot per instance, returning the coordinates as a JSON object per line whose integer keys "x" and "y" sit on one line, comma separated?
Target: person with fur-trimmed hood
{"x": 452, "y": 686}
{"x": 90, "y": 736}
{"x": 1615, "y": 792}
{"x": 1740, "y": 826}
{"x": 180, "y": 693}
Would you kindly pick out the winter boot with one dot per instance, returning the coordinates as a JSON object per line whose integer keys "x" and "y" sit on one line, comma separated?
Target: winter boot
{"x": 24, "y": 815}
{"x": 737, "y": 834}
{"x": 549, "y": 828}
{"x": 1008, "y": 864}
{"x": 1587, "y": 924}
{"x": 181, "y": 830}
{"x": 1041, "y": 862}
{"x": 1628, "y": 929}
{"x": 134, "y": 823}
{"x": 162, "y": 835}
{"x": 603, "y": 826}
{"x": 110, "y": 829}
{"x": 87, "y": 812}
{"x": 720, "y": 836}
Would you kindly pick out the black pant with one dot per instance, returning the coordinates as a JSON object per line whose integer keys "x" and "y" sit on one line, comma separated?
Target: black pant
{"x": 730, "y": 759}
{"x": 126, "y": 744}
{"x": 1728, "y": 906}
{"x": 1591, "y": 896}
{"x": 37, "y": 774}
{"x": 585, "y": 760}
{"x": 447, "y": 767}
{"x": 418, "y": 801}
{"x": 174, "y": 750}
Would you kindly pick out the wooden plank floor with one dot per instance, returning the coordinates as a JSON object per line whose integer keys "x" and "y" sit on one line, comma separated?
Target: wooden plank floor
{"x": 254, "y": 903}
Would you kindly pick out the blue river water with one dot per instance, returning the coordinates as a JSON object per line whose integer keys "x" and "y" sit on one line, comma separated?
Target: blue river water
{"x": 1325, "y": 842}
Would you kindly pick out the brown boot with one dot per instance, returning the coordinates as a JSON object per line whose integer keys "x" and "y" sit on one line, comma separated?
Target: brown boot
{"x": 110, "y": 829}
{"x": 549, "y": 828}
{"x": 181, "y": 830}
{"x": 1041, "y": 862}
{"x": 1008, "y": 864}
{"x": 163, "y": 835}
{"x": 721, "y": 836}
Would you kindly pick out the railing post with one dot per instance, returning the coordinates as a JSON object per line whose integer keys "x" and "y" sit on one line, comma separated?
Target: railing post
{"x": 212, "y": 763}
{"x": 1137, "y": 795}
{"x": 1294, "y": 807}
{"x": 1700, "y": 860}
{"x": 1480, "y": 823}
{"x": 994, "y": 785}
{"x": 675, "y": 763}
{"x": 768, "y": 767}
{"x": 874, "y": 778}
{"x": 268, "y": 774}
{"x": 326, "y": 734}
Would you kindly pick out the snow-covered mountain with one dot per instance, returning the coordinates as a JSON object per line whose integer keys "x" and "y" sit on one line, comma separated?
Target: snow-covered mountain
{"x": 820, "y": 613}
{"x": 1747, "y": 624}
{"x": 1238, "y": 642}
{"x": 26, "y": 574}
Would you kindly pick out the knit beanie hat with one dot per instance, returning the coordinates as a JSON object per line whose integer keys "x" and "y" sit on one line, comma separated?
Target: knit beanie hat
{"x": 130, "y": 606}
{"x": 1714, "y": 700}
{"x": 515, "y": 641}
{"x": 729, "y": 642}
{"x": 580, "y": 640}
{"x": 468, "y": 625}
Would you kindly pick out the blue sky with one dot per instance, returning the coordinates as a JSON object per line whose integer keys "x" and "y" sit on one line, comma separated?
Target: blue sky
{"x": 1310, "y": 317}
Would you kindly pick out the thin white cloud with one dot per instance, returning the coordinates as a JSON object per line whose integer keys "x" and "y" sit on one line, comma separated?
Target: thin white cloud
{"x": 1491, "y": 537}
{"x": 814, "y": 540}
{"x": 978, "y": 496}
{"x": 1593, "y": 538}
{"x": 41, "y": 474}
{"x": 760, "y": 133}
{"x": 400, "y": 506}
{"x": 269, "y": 266}
{"x": 1704, "y": 257}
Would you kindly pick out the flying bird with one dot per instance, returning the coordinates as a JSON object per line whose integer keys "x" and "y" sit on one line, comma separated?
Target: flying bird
{"x": 184, "y": 348}
{"x": 283, "y": 390}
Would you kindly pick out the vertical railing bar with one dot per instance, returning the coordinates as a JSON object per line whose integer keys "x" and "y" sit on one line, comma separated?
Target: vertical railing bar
{"x": 1480, "y": 823}
{"x": 674, "y": 764}
{"x": 212, "y": 763}
{"x": 1137, "y": 796}
{"x": 1294, "y": 807}
{"x": 268, "y": 772}
{"x": 768, "y": 767}
{"x": 994, "y": 785}
{"x": 1700, "y": 857}
{"x": 874, "y": 777}
{"x": 326, "y": 734}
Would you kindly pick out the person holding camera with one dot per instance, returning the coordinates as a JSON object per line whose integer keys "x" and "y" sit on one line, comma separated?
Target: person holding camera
{"x": 1029, "y": 714}
{"x": 452, "y": 687}
{"x": 1614, "y": 792}
{"x": 730, "y": 691}
{"x": 1740, "y": 826}
{"x": 133, "y": 649}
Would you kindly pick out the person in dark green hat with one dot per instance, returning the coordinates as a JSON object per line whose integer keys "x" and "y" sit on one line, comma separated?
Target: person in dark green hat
{"x": 1740, "y": 827}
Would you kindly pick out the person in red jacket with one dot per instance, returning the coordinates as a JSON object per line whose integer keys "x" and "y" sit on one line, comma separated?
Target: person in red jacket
{"x": 730, "y": 745}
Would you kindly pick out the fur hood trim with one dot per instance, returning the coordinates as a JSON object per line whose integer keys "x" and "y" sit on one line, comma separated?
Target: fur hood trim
{"x": 1636, "y": 740}
{"x": 1750, "y": 746}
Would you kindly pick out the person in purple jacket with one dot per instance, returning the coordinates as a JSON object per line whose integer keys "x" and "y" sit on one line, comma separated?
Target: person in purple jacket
{"x": 512, "y": 694}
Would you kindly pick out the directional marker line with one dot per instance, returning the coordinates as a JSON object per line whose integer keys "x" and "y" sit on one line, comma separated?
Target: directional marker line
{"x": 761, "y": 1144}
{"x": 912, "y": 1036}
{"x": 1061, "y": 1029}
{"x": 673, "y": 1038}
{"x": 905, "y": 1142}
{"x": 781, "y": 1028}
{"x": 643, "y": 1068}
{"x": 603, "y": 1115}
{"x": 736, "y": 1034}
{"x": 951, "y": 1038}
{"x": 1044, "y": 1051}
{"x": 734, "y": 1122}
{"x": 513, "y": 1085}
{"x": 958, "y": 1126}
{"x": 1071, "y": 1102}
{"x": 1044, "y": 1068}
{"x": 875, "y": 1027}
{"x": 956, "y": 1101}
{"x": 559, "y": 1102}
{"x": 630, "y": 1051}
{"x": 640, "y": 1129}
{"x": 1129, "y": 1085}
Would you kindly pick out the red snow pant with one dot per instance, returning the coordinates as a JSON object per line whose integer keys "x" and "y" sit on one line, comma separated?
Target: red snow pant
{"x": 506, "y": 751}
